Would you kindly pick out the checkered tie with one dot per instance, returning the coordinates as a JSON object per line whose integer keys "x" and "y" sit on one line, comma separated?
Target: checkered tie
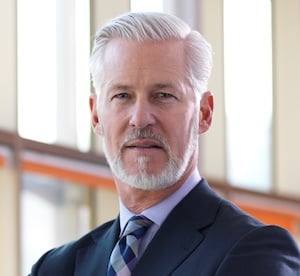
{"x": 124, "y": 256}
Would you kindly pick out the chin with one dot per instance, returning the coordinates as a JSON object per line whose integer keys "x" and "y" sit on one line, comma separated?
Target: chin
{"x": 150, "y": 181}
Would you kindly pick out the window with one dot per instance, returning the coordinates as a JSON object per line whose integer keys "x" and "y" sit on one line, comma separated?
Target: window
{"x": 145, "y": 5}
{"x": 53, "y": 212}
{"x": 53, "y": 71}
{"x": 248, "y": 92}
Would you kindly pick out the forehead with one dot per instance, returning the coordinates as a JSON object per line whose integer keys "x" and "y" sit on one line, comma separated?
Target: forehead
{"x": 124, "y": 48}
{"x": 131, "y": 60}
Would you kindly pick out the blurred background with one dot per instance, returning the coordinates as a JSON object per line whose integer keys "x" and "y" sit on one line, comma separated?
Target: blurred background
{"x": 54, "y": 182}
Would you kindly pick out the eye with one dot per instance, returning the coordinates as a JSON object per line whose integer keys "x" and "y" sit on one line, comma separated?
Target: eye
{"x": 121, "y": 96}
{"x": 164, "y": 95}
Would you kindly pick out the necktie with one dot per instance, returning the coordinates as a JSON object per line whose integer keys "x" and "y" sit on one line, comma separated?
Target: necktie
{"x": 124, "y": 256}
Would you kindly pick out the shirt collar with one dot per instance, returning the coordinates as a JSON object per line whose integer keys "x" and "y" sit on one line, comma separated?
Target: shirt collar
{"x": 158, "y": 212}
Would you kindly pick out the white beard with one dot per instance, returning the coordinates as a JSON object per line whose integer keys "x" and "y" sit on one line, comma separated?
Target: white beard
{"x": 173, "y": 171}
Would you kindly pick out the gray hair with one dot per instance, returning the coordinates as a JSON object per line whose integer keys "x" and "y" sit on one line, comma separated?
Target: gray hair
{"x": 150, "y": 27}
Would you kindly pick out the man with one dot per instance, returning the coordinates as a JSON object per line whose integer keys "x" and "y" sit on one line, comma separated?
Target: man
{"x": 150, "y": 73}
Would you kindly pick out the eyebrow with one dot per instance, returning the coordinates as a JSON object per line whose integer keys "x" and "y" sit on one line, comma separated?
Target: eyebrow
{"x": 130, "y": 87}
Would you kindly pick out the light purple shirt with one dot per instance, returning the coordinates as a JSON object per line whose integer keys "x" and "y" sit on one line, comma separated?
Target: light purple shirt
{"x": 160, "y": 211}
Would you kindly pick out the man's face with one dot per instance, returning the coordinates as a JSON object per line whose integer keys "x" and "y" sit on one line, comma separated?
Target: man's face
{"x": 149, "y": 115}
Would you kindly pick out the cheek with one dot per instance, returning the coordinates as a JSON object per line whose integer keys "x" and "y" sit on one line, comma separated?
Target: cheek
{"x": 109, "y": 147}
{"x": 187, "y": 130}
{"x": 112, "y": 134}
{"x": 105, "y": 120}
{"x": 100, "y": 128}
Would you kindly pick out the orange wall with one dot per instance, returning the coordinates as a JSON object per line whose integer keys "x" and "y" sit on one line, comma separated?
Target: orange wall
{"x": 284, "y": 218}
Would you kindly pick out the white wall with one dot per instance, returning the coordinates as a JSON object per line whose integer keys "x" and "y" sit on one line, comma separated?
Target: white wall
{"x": 9, "y": 233}
{"x": 8, "y": 83}
{"x": 286, "y": 41}
{"x": 104, "y": 10}
{"x": 213, "y": 152}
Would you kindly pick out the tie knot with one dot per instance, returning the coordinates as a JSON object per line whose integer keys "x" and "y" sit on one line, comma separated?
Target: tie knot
{"x": 137, "y": 226}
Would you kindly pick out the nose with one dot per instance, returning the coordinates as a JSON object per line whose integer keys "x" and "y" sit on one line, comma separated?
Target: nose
{"x": 141, "y": 114}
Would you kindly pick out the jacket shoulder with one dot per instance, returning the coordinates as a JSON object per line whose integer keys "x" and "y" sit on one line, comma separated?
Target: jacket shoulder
{"x": 61, "y": 260}
{"x": 265, "y": 250}
{"x": 254, "y": 248}
{"x": 232, "y": 241}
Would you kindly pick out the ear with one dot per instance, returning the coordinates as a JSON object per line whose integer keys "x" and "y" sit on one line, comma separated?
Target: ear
{"x": 206, "y": 111}
{"x": 94, "y": 114}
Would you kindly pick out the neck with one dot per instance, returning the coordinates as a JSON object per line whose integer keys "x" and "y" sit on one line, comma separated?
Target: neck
{"x": 138, "y": 200}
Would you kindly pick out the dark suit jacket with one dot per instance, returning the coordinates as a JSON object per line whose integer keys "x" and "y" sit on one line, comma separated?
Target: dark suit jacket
{"x": 203, "y": 235}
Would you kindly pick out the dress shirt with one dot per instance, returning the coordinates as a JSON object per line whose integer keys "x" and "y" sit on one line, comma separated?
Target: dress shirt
{"x": 158, "y": 213}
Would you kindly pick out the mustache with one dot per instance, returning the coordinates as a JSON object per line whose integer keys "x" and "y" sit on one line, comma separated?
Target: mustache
{"x": 138, "y": 133}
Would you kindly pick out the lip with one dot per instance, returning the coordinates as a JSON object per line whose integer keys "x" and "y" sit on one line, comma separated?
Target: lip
{"x": 143, "y": 144}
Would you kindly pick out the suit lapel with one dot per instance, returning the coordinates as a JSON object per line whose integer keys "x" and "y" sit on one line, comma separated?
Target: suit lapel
{"x": 168, "y": 250}
{"x": 93, "y": 259}
{"x": 180, "y": 234}
{"x": 176, "y": 239}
